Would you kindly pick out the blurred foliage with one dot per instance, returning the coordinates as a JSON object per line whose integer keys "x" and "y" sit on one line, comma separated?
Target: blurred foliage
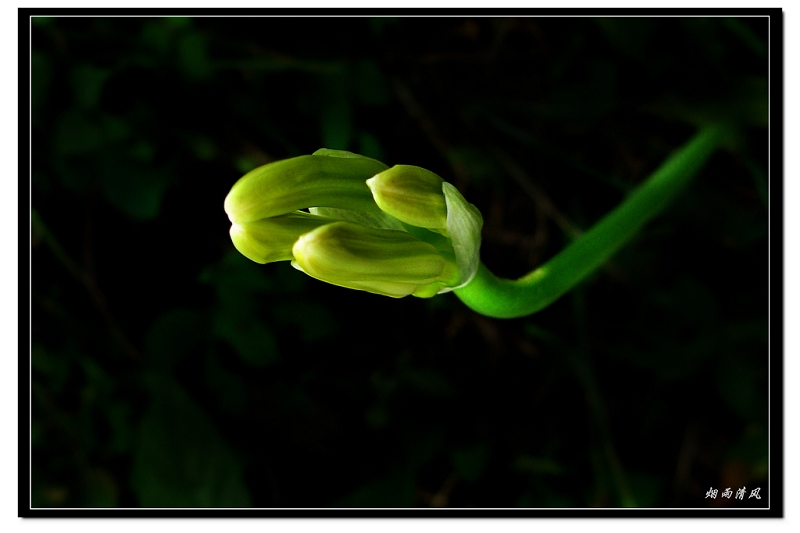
{"x": 170, "y": 371}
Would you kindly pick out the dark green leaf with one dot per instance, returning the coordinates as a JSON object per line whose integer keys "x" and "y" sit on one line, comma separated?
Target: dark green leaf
{"x": 371, "y": 85}
{"x": 135, "y": 190}
{"x": 173, "y": 335}
{"x": 77, "y": 134}
{"x": 180, "y": 459}
{"x": 193, "y": 56}
{"x": 395, "y": 490}
{"x": 470, "y": 462}
{"x": 253, "y": 341}
{"x": 87, "y": 84}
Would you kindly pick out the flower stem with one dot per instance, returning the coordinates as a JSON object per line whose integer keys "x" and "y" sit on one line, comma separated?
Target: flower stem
{"x": 503, "y": 298}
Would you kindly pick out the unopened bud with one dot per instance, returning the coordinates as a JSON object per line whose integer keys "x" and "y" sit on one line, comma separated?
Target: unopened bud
{"x": 397, "y": 232}
{"x": 307, "y": 181}
{"x": 388, "y": 262}
{"x": 412, "y": 195}
{"x": 271, "y": 239}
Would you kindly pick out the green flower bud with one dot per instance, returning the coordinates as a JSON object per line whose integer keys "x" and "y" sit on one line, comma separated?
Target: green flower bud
{"x": 420, "y": 198}
{"x": 271, "y": 239}
{"x": 412, "y": 195}
{"x": 301, "y": 182}
{"x": 389, "y": 262}
{"x": 394, "y": 232}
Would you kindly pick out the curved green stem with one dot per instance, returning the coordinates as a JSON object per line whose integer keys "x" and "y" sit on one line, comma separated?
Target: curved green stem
{"x": 502, "y": 298}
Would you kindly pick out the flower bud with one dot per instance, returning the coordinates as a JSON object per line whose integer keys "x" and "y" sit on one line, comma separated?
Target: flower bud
{"x": 412, "y": 195}
{"x": 271, "y": 239}
{"x": 307, "y": 181}
{"x": 395, "y": 232}
{"x": 389, "y": 262}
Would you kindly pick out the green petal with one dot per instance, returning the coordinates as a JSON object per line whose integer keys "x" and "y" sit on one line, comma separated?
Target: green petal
{"x": 412, "y": 195}
{"x": 306, "y": 181}
{"x": 271, "y": 239}
{"x": 379, "y": 220}
{"x": 388, "y": 262}
{"x": 464, "y": 223}
{"x": 344, "y": 154}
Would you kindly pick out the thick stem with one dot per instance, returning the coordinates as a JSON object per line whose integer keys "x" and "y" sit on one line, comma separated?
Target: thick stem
{"x": 502, "y": 298}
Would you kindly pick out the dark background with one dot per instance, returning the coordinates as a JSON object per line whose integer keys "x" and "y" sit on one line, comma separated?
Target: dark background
{"x": 168, "y": 370}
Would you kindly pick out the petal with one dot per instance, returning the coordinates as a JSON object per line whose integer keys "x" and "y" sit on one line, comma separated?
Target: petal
{"x": 378, "y": 220}
{"x": 412, "y": 195}
{"x": 389, "y": 262}
{"x": 464, "y": 223}
{"x": 271, "y": 239}
{"x": 344, "y": 154}
{"x": 310, "y": 180}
